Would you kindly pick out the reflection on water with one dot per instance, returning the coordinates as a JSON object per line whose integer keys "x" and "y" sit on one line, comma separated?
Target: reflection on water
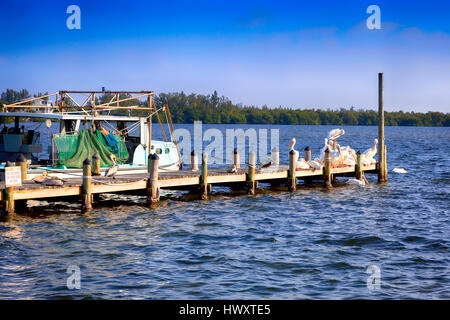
{"x": 313, "y": 243}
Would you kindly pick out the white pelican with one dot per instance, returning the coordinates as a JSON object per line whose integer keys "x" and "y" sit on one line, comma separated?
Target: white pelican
{"x": 111, "y": 171}
{"x": 335, "y": 155}
{"x": 348, "y": 156}
{"x": 291, "y": 148}
{"x": 316, "y": 163}
{"x": 302, "y": 164}
{"x": 370, "y": 153}
{"x": 335, "y": 133}
{"x": 356, "y": 182}
{"x": 399, "y": 170}
{"x": 325, "y": 146}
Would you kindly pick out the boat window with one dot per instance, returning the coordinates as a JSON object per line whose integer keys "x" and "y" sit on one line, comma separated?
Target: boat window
{"x": 167, "y": 150}
{"x": 158, "y": 151}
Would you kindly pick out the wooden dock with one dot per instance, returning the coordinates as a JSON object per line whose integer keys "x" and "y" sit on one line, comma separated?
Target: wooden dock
{"x": 199, "y": 180}
{"x": 85, "y": 187}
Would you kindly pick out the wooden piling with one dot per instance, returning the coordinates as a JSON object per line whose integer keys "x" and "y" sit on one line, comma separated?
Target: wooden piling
{"x": 308, "y": 154}
{"x": 275, "y": 156}
{"x": 194, "y": 161}
{"x": 21, "y": 162}
{"x": 8, "y": 197}
{"x": 251, "y": 183}
{"x": 96, "y": 164}
{"x": 358, "y": 166}
{"x": 152, "y": 182}
{"x": 86, "y": 188}
{"x": 327, "y": 169}
{"x": 204, "y": 177}
{"x": 382, "y": 173}
{"x": 236, "y": 159}
{"x": 292, "y": 179}
{"x": 8, "y": 200}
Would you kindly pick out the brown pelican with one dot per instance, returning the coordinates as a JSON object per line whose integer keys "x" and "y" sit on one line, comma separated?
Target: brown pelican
{"x": 53, "y": 181}
{"x": 111, "y": 171}
{"x": 41, "y": 178}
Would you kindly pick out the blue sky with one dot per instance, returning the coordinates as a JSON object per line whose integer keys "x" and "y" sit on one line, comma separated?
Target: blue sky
{"x": 299, "y": 54}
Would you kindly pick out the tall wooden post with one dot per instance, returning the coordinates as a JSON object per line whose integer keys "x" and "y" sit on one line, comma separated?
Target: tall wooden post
{"x": 327, "y": 169}
{"x": 236, "y": 159}
{"x": 292, "y": 174}
{"x": 96, "y": 164}
{"x": 308, "y": 154}
{"x": 382, "y": 172}
{"x": 152, "y": 182}
{"x": 194, "y": 161}
{"x": 358, "y": 166}
{"x": 21, "y": 162}
{"x": 150, "y": 105}
{"x": 251, "y": 184}
{"x": 275, "y": 156}
{"x": 86, "y": 189}
{"x": 204, "y": 176}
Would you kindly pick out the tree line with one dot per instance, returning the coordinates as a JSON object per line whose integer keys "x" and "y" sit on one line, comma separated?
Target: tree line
{"x": 215, "y": 109}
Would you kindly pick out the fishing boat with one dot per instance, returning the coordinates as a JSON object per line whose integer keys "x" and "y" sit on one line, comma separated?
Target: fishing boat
{"x": 114, "y": 127}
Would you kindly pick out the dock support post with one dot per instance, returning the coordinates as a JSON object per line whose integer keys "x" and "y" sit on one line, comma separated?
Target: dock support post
{"x": 307, "y": 154}
{"x": 204, "y": 176}
{"x": 152, "y": 182}
{"x": 292, "y": 175}
{"x": 8, "y": 201}
{"x": 382, "y": 170}
{"x": 251, "y": 184}
{"x": 8, "y": 198}
{"x": 358, "y": 166}
{"x": 276, "y": 156}
{"x": 236, "y": 159}
{"x": 86, "y": 189}
{"x": 96, "y": 164}
{"x": 327, "y": 169}
{"x": 21, "y": 162}
{"x": 194, "y": 161}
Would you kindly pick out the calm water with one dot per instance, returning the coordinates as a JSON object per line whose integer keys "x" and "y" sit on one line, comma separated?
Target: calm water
{"x": 312, "y": 243}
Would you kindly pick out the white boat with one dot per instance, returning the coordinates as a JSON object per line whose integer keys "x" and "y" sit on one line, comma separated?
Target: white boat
{"x": 86, "y": 129}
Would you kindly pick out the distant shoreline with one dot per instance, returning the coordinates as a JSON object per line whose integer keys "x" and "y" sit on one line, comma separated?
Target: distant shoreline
{"x": 215, "y": 109}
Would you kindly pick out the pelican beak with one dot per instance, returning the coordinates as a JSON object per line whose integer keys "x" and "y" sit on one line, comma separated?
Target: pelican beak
{"x": 290, "y": 144}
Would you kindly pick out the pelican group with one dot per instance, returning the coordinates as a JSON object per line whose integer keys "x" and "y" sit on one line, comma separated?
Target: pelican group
{"x": 302, "y": 163}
